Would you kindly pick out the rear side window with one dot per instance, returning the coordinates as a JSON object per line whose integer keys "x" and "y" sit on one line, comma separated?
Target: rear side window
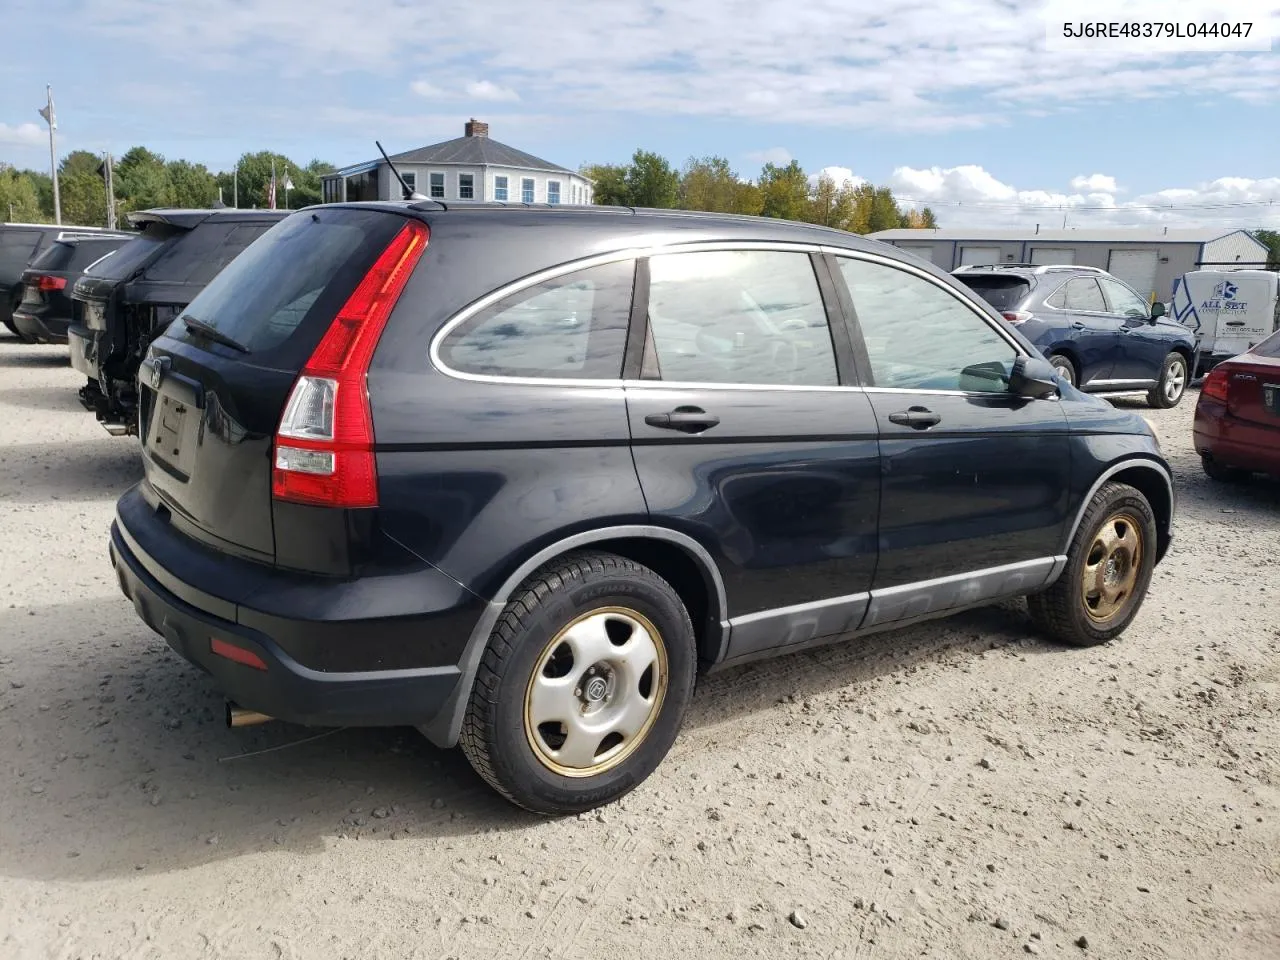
{"x": 1003, "y": 293}
{"x": 199, "y": 256}
{"x": 305, "y": 265}
{"x": 740, "y": 316}
{"x": 1081, "y": 293}
{"x": 16, "y": 248}
{"x": 570, "y": 327}
{"x": 91, "y": 251}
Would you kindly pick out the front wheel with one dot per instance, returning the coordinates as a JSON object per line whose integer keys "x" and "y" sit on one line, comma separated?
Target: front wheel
{"x": 583, "y": 686}
{"x": 1109, "y": 566}
{"x": 1063, "y": 366}
{"x": 1172, "y": 383}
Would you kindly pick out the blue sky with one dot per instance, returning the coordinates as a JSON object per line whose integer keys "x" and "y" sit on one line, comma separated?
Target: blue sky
{"x": 951, "y": 101}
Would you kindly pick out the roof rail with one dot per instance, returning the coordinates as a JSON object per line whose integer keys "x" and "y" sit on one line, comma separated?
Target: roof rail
{"x": 991, "y": 266}
{"x": 1050, "y": 267}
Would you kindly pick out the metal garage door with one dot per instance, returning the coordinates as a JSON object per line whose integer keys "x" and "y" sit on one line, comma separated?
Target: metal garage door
{"x": 979, "y": 256}
{"x": 1053, "y": 255}
{"x": 1137, "y": 268}
{"x": 922, "y": 250}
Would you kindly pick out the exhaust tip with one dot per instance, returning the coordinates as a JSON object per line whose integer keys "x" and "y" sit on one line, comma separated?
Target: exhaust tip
{"x": 238, "y": 716}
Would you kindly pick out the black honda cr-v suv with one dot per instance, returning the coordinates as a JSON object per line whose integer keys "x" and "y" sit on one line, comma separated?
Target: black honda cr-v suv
{"x": 513, "y": 475}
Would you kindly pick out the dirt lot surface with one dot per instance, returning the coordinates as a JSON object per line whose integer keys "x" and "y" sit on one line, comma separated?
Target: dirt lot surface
{"x": 957, "y": 790}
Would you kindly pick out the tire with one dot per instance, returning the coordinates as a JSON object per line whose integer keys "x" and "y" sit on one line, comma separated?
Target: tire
{"x": 1221, "y": 472}
{"x": 1172, "y": 385}
{"x": 1065, "y": 368}
{"x": 1082, "y": 617}
{"x": 553, "y": 763}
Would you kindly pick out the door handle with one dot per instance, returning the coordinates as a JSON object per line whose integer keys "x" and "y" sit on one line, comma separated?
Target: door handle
{"x": 684, "y": 419}
{"x": 918, "y": 418}
{"x": 1077, "y": 325}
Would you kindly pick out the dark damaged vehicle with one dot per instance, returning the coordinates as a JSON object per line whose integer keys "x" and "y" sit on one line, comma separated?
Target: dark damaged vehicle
{"x": 516, "y": 475}
{"x": 129, "y": 298}
{"x": 45, "y": 310}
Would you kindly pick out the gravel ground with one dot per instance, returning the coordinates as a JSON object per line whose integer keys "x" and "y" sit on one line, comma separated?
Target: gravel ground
{"x": 957, "y": 790}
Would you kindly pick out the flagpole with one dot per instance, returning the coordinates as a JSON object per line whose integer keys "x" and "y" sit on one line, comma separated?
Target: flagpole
{"x": 52, "y": 120}
{"x": 235, "y": 186}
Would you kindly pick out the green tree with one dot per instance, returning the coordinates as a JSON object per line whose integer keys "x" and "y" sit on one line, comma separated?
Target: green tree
{"x": 78, "y": 161}
{"x": 709, "y": 183}
{"x": 651, "y": 181}
{"x": 747, "y": 199}
{"x": 785, "y": 191}
{"x": 831, "y": 205}
{"x": 1272, "y": 240}
{"x": 141, "y": 181}
{"x": 190, "y": 185}
{"x": 84, "y": 198}
{"x": 19, "y": 197}
{"x": 884, "y": 214}
{"x": 928, "y": 219}
{"x": 610, "y": 183}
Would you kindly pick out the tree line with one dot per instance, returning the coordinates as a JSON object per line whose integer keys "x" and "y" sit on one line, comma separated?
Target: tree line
{"x": 143, "y": 180}
{"x": 785, "y": 192}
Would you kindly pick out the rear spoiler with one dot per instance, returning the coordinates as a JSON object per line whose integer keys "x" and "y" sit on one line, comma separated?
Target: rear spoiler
{"x": 190, "y": 219}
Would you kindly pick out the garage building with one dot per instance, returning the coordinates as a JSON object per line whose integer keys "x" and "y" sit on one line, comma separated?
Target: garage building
{"x": 1148, "y": 259}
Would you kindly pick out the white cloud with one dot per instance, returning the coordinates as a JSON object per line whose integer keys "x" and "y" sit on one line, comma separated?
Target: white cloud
{"x": 488, "y": 90}
{"x": 23, "y": 135}
{"x": 970, "y": 196}
{"x": 899, "y": 64}
{"x": 424, "y": 88}
{"x": 1097, "y": 183}
{"x": 843, "y": 177}
{"x": 780, "y": 156}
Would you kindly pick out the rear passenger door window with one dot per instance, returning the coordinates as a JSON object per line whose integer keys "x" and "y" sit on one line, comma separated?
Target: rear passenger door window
{"x": 919, "y": 336}
{"x": 569, "y": 327}
{"x": 751, "y": 317}
{"x": 1082, "y": 293}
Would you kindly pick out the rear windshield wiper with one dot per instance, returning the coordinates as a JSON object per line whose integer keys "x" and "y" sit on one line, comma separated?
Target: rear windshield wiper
{"x": 210, "y": 332}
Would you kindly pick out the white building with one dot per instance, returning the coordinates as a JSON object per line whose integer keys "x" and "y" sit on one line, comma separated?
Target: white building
{"x": 1149, "y": 259}
{"x": 471, "y": 167}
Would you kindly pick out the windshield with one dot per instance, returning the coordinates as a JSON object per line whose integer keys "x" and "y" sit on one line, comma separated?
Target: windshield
{"x": 1003, "y": 293}
{"x": 265, "y": 294}
{"x": 1269, "y": 347}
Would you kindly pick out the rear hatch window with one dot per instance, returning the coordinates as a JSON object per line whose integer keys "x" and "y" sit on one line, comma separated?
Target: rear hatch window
{"x": 128, "y": 259}
{"x": 56, "y": 257}
{"x": 209, "y": 421}
{"x": 1003, "y": 293}
{"x": 204, "y": 251}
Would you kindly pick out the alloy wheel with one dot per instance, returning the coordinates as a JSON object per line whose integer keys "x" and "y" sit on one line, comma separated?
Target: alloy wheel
{"x": 1109, "y": 577}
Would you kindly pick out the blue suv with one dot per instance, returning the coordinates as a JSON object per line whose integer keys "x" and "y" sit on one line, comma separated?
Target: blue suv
{"x": 1099, "y": 334}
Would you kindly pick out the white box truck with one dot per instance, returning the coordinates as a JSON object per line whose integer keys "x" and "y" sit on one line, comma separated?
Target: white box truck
{"x": 1227, "y": 310}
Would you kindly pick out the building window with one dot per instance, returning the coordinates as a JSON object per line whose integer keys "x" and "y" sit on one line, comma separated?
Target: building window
{"x": 437, "y": 186}
{"x": 466, "y": 186}
{"x": 363, "y": 186}
{"x": 410, "y": 183}
{"x": 553, "y": 191}
{"x": 526, "y": 190}
{"x": 500, "y": 187}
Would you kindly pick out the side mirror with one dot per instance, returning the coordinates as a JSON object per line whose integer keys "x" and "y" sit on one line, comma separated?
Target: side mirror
{"x": 1157, "y": 310}
{"x": 1033, "y": 378}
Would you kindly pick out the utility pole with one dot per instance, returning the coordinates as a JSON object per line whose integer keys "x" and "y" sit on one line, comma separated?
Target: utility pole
{"x": 111, "y": 195}
{"x": 235, "y": 186}
{"x": 52, "y": 120}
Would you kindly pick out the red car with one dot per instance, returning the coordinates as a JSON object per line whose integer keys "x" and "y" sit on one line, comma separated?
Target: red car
{"x": 1237, "y": 425}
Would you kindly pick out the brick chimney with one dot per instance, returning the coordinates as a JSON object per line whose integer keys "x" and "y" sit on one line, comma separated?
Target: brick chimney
{"x": 474, "y": 128}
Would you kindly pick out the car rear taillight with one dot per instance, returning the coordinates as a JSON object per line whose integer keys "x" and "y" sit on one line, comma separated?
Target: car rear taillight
{"x": 47, "y": 284}
{"x": 1016, "y": 317}
{"x": 324, "y": 446}
{"x": 1215, "y": 385}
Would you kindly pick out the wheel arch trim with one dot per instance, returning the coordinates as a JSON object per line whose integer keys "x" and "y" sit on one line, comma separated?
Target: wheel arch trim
{"x": 1111, "y": 472}
{"x": 446, "y": 727}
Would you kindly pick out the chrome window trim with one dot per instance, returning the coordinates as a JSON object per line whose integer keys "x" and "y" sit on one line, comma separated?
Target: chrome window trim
{"x": 962, "y": 299}
{"x": 613, "y": 256}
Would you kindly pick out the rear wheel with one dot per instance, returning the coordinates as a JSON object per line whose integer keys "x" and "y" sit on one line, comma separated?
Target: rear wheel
{"x": 1064, "y": 367}
{"x": 1109, "y": 566}
{"x": 1220, "y": 472}
{"x": 1172, "y": 383}
{"x": 583, "y": 686}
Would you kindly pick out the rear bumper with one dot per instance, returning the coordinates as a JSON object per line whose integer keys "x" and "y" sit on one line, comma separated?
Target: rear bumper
{"x": 42, "y": 326}
{"x": 346, "y": 682}
{"x": 1236, "y": 443}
